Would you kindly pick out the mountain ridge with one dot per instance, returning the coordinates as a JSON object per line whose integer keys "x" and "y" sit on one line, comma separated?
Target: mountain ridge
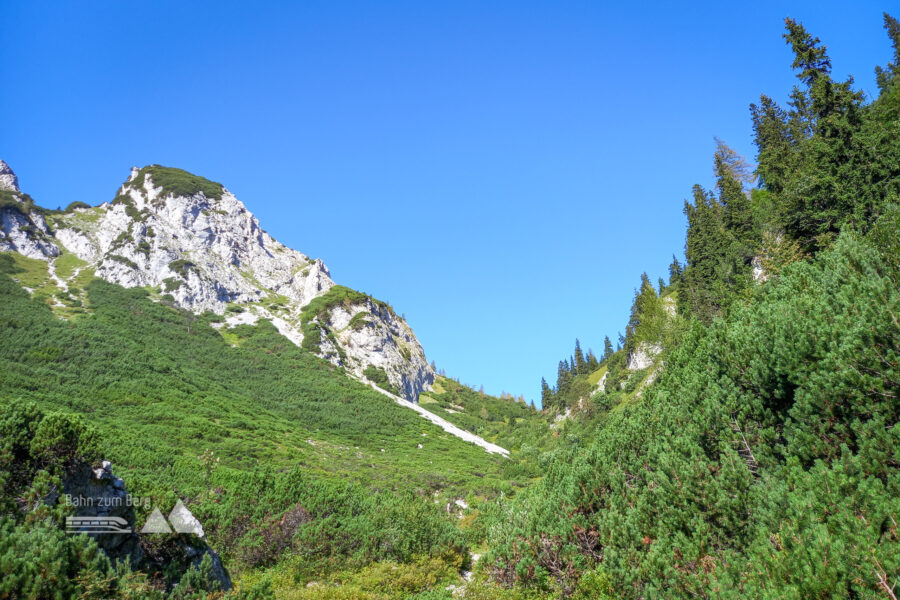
{"x": 200, "y": 246}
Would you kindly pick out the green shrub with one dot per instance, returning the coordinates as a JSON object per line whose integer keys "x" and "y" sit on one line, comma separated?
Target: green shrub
{"x": 379, "y": 377}
{"x": 121, "y": 259}
{"x": 177, "y": 182}
{"x": 182, "y": 267}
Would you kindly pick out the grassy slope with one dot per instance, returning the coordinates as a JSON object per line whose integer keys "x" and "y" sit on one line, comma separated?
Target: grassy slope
{"x": 497, "y": 420}
{"x": 163, "y": 386}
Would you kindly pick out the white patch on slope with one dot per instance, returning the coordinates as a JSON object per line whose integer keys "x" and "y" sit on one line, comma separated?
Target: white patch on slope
{"x": 445, "y": 424}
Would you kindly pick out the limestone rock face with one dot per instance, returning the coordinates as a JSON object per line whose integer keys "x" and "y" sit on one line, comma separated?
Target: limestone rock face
{"x": 8, "y": 179}
{"x": 643, "y": 356}
{"x": 25, "y": 232}
{"x": 22, "y": 229}
{"x": 209, "y": 253}
{"x": 205, "y": 252}
{"x": 371, "y": 334}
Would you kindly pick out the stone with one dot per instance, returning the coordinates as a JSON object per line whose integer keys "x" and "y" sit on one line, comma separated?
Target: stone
{"x": 8, "y": 179}
{"x": 209, "y": 253}
{"x": 642, "y": 357}
{"x": 97, "y": 492}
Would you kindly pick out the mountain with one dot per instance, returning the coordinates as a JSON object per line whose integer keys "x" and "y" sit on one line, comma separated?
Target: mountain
{"x": 199, "y": 246}
{"x": 164, "y": 333}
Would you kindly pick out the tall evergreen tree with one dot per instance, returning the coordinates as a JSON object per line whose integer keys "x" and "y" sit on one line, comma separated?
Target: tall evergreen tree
{"x": 546, "y": 395}
{"x": 563, "y": 375}
{"x": 731, "y": 174}
{"x": 675, "y": 272}
{"x": 823, "y": 191}
{"x": 703, "y": 288}
{"x": 643, "y": 296}
{"x": 885, "y": 77}
{"x": 775, "y": 141}
{"x": 592, "y": 363}
{"x": 578, "y": 362}
{"x": 607, "y": 349}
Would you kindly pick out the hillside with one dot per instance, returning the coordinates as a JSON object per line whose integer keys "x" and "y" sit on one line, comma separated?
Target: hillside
{"x": 193, "y": 242}
{"x": 741, "y": 440}
{"x": 166, "y": 391}
{"x": 744, "y": 444}
{"x": 195, "y": 398}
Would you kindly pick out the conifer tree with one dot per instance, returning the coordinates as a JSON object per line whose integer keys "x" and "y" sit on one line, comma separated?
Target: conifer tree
{"x": 775, "y": 142}
{"x": 675, "y": 272}
{"x": 578, "y": 362}
{"x": 732, "y": 172}
{"x": 546, "y": 395}
{"x": 823, "y": 190}
{"x": 563, "y": 375}
{"x": 607, "y": 349}
{"x": 885, "y": 76}
{"x": 703, "y": 288}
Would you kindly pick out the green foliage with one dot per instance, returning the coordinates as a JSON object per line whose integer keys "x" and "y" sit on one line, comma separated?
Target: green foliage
{"x": 830, "y": 160}
{"x": 379, "y": 377}
{"x": 181, "y": 267}
{"x": 123, "y": 260}
{"x": 66, "y": 264}
{"x": 177, "y": 182}
{"x": 60, "y": 439}
{"x": 507, "y": 422}
{"x": 718, "y": 263}
{"x": 314, "y": 318}
{"x": 41, "y": 561}
{"x": 766, "y": 450}
{"x": 171, "y": 284}
{"x": 650, "y": 321}
{"x": 359, "y": 321}
{"x": 76, "y": 205}
{"x": 23, "y": 203}
{"x": 197, "y": 580}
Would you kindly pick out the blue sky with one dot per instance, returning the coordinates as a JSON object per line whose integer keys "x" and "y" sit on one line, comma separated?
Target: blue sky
{"x": 500, "y": 172}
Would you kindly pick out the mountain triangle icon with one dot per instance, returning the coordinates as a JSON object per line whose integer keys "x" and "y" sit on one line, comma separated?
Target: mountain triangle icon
{"x": 156, "y": 523}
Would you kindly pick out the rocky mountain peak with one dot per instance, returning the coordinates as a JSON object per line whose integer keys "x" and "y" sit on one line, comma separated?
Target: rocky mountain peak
{"x": 198, "y": 245}
{"x": 8, "y": 179}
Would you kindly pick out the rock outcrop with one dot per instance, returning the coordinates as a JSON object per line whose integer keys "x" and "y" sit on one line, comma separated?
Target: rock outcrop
{"x": 22, "y": 228}
{"x": 25, "y": 231}
{"x": 643, "y": 356}
{"x": 196, "y": 243}
{"x": 97, "y": 493}
{"x": 369, "y": 334}
{"x": 8, "y": 179}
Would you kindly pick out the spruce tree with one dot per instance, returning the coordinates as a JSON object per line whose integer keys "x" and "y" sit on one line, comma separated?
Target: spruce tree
{"x": 887, "y": 75}
{"x": 607, "y": 350}
{"x": 775, "y": 142}
{"x": 675, "y": 271}
{"x": 824, "y": 188}
{"x": 546, "y": 395}
{"x": 592, "y": 363}
{"x": 578, "y": 362}
{"x": 563, "y": 375}
{"x": 731, "y": 174}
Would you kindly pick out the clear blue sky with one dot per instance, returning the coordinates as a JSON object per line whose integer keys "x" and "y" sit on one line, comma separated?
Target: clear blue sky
{"x": 500, "y": 172}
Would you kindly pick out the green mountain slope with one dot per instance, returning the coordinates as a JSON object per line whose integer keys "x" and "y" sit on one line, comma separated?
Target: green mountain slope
{"x": 163, "y": 386}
